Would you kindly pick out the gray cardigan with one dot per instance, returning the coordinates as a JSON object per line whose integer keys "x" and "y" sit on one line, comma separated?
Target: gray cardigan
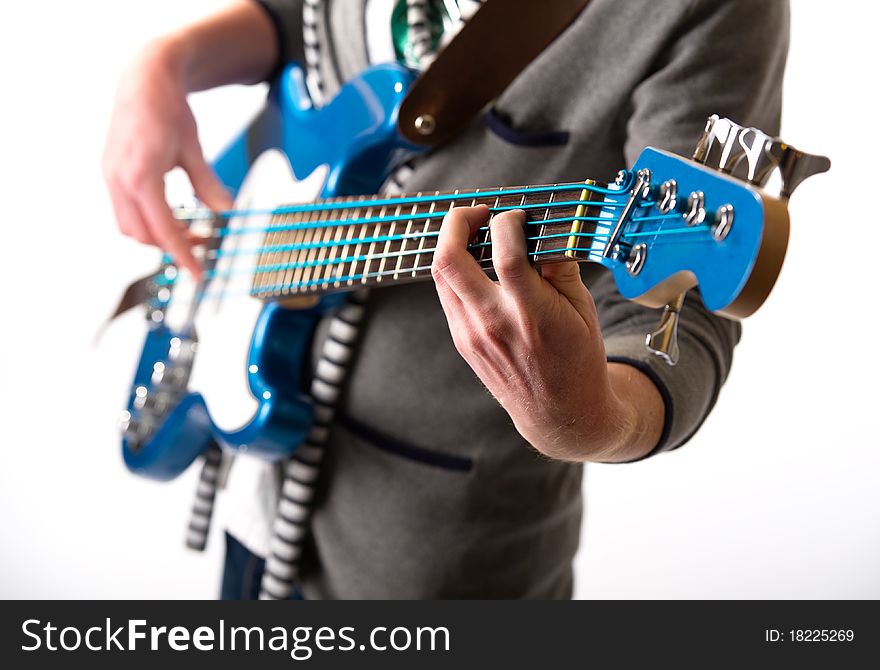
{"x": 428, "y": 491}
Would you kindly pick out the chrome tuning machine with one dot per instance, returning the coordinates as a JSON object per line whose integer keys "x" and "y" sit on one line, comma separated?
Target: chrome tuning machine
{"x": 744, "y": 153}
{"x": 753, "y": 156}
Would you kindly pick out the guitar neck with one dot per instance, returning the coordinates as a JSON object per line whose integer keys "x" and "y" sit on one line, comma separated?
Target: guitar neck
{"x": 342, "y": 243}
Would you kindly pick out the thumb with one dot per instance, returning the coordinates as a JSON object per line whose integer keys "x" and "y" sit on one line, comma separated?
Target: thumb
{"x": 205, "y": 183}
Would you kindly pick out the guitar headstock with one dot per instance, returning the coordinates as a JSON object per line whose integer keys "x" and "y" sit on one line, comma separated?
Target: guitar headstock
{"x": 711, "y": 221}
{"x": 755, "y": 157}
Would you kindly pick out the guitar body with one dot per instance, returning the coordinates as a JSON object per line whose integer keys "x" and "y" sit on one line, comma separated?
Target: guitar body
{"x": 348, "y": 147}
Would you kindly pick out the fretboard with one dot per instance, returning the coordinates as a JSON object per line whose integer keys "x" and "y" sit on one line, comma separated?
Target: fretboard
{"x": 343, "y": 243}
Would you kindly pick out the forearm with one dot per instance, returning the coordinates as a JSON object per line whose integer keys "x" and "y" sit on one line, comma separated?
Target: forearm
{"x": 236, "y": 45}
{"x": 617, "y": 416}
{"x": 642, "y": 415}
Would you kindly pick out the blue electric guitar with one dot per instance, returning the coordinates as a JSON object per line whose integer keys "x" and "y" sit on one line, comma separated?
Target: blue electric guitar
{"x": 666, "y": 225}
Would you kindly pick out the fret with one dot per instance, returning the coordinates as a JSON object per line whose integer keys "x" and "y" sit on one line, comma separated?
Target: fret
{"x": 335, "y": 252}
{"x": 272, "y": 279}
{"x": 323, "y": 258}
{"x": 311, "y": 235}
{"x": 293, "y": 275}
{"x": 387, "y": 247}
{"x": 282, "y": 278}
{"x": 424, "y": 234}
{"x": 544, "y": 229}
{"x": 320, "y": 269}
{"x": 477, "y": 238}
{"x": 353, "y": 271}
{"x": 522, "y": 201}
{"x": 487, "y": 238}
{"x": 275, "y": 278}
{"x": 550, "y": 245}
{"x": 331, "y": 269}
{"x": 371, "y": 251}
{"x": 259, "y": 278}
{"x": 347, "y": 232}
{"x": 406, "y": 233}
{"x": 430, "y": 240}
{"x": 263, "y": 281}
{"x": 405, "y": 257}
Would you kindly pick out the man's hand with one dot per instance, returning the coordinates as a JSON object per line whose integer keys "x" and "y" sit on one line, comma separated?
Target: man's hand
{"x": 153, "y": 130}
{"x": 534, "y": 341}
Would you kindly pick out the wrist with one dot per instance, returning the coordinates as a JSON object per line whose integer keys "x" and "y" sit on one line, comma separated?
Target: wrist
{"x": 641, "y": 414}
{"x": 170, "y": 57}
{"x": 618, "y": 418}
{"x": 237, "y": 45}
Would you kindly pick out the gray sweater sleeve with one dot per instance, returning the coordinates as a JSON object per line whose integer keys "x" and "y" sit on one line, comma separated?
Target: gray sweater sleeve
{"x": 286, "y": 17}
{"x": 723, "y": 57}
{"x": 726, "y": 58}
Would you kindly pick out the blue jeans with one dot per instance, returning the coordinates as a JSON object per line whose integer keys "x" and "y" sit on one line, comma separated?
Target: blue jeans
{"x": 242, "y": 572}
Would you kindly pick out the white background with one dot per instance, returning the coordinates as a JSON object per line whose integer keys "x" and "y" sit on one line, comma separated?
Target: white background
{"x": 777, "y": 497}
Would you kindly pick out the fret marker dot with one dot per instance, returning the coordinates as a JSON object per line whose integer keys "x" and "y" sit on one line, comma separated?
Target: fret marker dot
{"x": 398, "y": 87}
{"x": 253, "y": 369}
{"x": 266, "y": 395}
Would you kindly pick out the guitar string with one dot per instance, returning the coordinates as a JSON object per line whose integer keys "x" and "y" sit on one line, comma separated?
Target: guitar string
{"x": 273, "y": 288}
{"x": 276, "y": 248}
{"x": 296, "y": 265}
{"x": 300, "y": 226}
{"x": 213, "y": 274}
{"x": 320, "y": 206}
{"x": 343, "y": 205}
{"x": 329, "y": 223}
{"x": 404, "y": 271}
{"x": 312, "y": 225}
{"x": 327, "y": 244}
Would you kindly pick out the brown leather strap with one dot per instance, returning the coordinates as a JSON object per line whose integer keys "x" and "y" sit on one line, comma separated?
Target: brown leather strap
{"x": 501, "y": 39}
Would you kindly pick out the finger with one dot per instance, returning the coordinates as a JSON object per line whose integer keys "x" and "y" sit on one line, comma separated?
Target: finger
{"x": 205, "y": 183}
{"x": 452, "y": 306}
{"x": 129, "y": 218}
{"x": 167, "y": 231}
{"x": 565, "y": 277}
{"x": 510, "y": 256}
{"x": 196, "y": 239}
{"x": 453, "y": 263}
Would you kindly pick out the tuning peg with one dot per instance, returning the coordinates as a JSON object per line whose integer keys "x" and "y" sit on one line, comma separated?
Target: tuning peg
{"x": 795, "y": 166}
{"x": 664, "y": 341}
{"x": 715, "y": 136}
{"x": 753, "y": 156}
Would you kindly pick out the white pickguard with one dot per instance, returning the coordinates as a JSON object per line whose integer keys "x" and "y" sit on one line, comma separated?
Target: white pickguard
{"x": 226, "y": 318}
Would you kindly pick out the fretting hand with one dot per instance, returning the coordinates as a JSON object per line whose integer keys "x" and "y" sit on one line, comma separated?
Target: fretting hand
{"x": 534, "y": 341}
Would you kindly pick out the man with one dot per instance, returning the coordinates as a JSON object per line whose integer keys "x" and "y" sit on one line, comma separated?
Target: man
{"x": 561, "y": 354}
